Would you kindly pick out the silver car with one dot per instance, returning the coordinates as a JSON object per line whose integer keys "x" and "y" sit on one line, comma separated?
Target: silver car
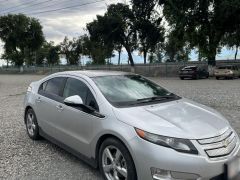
{"x": 130, "y": 127}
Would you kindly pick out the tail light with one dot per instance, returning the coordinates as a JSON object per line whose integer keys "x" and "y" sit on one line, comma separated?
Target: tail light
{"x": 230, "y": 72}
{"x": 29, "y": 89}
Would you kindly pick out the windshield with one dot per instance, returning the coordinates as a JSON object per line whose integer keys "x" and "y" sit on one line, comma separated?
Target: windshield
{"x": 189, "y": 68}
{"x": 124, "y": 90}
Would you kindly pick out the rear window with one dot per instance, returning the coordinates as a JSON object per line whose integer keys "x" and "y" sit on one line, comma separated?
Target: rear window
{"x": 225, "y": 67}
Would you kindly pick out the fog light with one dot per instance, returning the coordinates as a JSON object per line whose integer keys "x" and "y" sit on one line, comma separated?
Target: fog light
{"x": 160, "y": 174}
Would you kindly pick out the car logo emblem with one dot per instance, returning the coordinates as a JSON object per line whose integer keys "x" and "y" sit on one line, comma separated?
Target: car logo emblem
{"x": 225, "y": 143}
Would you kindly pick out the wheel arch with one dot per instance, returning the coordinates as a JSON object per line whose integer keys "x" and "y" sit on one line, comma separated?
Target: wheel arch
{"x": 103, "y": 137}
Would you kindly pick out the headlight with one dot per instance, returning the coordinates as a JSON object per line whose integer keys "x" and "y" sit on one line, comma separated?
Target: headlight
{"x": 181, "y": 145}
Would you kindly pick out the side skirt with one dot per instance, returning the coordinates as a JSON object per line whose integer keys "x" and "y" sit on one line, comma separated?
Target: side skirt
{"x": 91, "y": 161}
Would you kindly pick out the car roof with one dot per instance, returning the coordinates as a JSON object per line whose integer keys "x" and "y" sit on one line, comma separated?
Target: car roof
{"x": 94, "y": 73}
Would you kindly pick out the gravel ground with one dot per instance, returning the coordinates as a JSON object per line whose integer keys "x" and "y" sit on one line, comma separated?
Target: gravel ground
{"x": 22, "y": 158}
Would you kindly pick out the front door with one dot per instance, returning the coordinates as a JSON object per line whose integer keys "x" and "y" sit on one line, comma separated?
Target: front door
{"x": 75, "y": 123}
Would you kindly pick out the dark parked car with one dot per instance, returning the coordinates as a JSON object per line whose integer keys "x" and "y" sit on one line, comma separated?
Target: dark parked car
{"x": 193, "y": 72}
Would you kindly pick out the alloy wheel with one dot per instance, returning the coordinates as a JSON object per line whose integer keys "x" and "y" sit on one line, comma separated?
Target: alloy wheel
{"x": 31, "y": 126}
{"x": 114, "y": 164}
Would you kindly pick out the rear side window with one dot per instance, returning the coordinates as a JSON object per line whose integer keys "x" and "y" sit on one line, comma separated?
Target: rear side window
{"x": 52, "y": 88}
{"x": 42, "y": 87}
{"x": 55, "y": 86}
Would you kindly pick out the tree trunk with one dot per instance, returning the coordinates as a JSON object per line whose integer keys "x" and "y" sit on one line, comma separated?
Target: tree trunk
{"x": 199, "y": 56}
{"x": 145, "y": 56}
{"x": 130, "y": 56}
{"x": 236, "y": 53}
{"x": 212, "y": 60}
{"x": 212, "y": 49}
{"x": 119, "y": 57}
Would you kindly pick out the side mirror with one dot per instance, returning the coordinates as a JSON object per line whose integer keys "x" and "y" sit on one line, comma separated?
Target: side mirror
{"x": 76, "y": 101}
{"x": 73, "y": 101}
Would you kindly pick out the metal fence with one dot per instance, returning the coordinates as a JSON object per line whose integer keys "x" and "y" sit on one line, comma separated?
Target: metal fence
{"x": 158, "y": 69}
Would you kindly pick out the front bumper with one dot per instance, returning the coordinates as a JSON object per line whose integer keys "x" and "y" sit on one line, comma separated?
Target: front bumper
{"x": 187, "y": 75}
{"x": 148, "y": 155}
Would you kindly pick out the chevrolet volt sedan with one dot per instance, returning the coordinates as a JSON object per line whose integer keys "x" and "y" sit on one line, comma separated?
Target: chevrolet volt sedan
{"x": 131, "y": 128}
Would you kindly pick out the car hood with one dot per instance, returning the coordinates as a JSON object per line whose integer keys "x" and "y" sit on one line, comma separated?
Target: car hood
{"x": 182, "y": 119}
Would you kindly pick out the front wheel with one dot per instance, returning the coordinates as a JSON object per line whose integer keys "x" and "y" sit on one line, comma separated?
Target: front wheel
{"x": 196, "y": 77}
{"x": 115, "y": 161}
{"x": 32, "y": 125}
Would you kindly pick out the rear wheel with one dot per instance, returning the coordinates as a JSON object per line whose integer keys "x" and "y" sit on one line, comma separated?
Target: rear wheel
{"x": 115, "y": 162}
{"x": 181, "y": 78}
{"x": 217, "y": 78}
{"x": 32, "y": 125}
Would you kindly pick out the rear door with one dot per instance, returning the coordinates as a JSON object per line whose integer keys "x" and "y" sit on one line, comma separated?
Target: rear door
{"x": 48, "y": 103}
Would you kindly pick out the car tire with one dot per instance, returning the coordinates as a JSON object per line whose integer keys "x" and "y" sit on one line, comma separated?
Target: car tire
{"x": 196, "y": 77}
{"x": 115, "y": 160}
{"x": 217, "y": 78}
{"x": 181, "y": 78}
{"x": 32, "y": 125}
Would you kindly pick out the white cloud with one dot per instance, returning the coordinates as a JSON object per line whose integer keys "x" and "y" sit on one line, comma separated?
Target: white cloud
{"x": 56, "y": 25}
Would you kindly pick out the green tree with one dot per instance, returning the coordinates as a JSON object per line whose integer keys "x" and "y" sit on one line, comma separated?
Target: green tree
{"x": 53, "y": 55}
{"x": 148, "y": 25}
{"x": 176, "y": 48}
{"x": 48, "y": 52}
{"x": 205, "y": 22}
{"x": 96, "y": 49}
{"x": 232, "y": 41}
{"x": 22, "y": 36}
{"x": 72, "y": 49}
{"x": 116, "y": 27}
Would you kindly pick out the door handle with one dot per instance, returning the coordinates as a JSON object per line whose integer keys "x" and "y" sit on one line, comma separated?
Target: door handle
{"x": 38, "y": 100}
{"x": 59, "y": 107}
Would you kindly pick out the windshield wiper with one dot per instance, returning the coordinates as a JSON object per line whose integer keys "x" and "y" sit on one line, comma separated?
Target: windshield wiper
{"x": 155, "y": 98}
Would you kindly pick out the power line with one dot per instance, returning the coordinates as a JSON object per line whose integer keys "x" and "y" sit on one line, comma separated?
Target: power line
{"x": 12, "y": 7}
{"x": 68, "y": 7}
{"x": 30, "y": 6}
{"x": 51, "y": 5}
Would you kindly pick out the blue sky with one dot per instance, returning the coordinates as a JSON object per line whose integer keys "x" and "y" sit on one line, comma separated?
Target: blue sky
{"x": 71, "y": 22}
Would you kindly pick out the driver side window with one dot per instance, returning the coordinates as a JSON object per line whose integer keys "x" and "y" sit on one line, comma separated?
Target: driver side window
{"x": 77, "y": 87}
